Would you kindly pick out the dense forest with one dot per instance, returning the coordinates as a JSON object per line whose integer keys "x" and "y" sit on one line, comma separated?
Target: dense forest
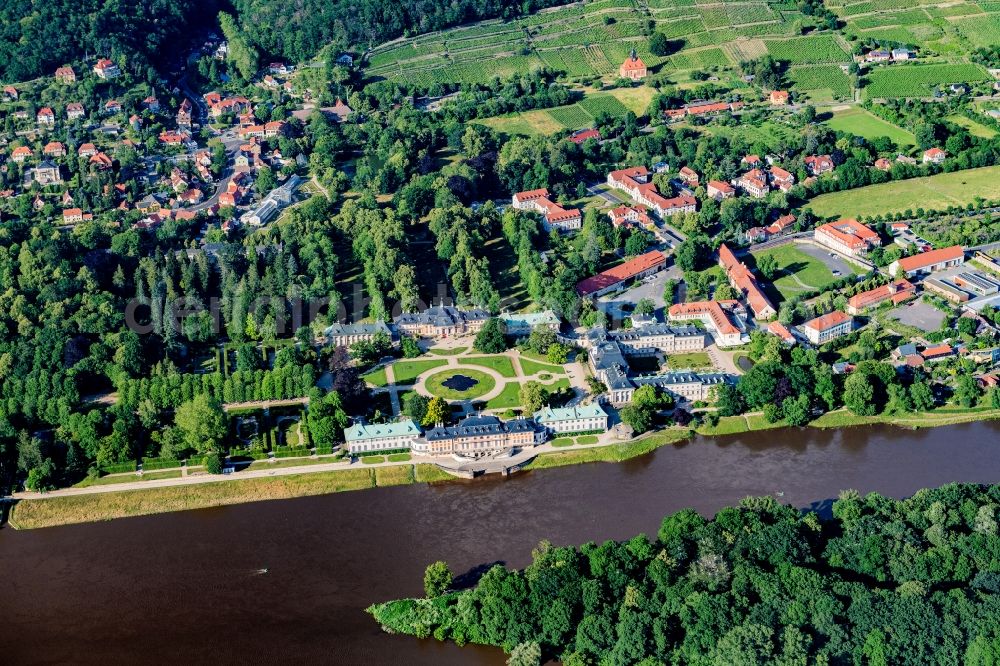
{"x": 298, "y": 31}
{"x": 881, "y": 581}
{"x": 37, "y": 37}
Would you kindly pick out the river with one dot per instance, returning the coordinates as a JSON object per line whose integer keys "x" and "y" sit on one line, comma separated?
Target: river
{"x": 187, "y": 587}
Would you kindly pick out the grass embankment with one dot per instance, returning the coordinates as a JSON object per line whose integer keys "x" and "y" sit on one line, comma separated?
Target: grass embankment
{"x": 31, "y": 514}
{"x": 610, "y": 453}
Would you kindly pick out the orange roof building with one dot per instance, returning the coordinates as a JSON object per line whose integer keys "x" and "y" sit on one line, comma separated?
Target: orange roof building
{"x": 828, "y": 327}
{"x": 742, "y": 279}
{"x": 564, "y": 219}
{"x": 928, "y": 262}
{"x": 633, "y": 68}
{"x": 848, "y": 237}
{"x": 716, "y": 315}
{"x": 634, "y": 269}
{"x": 895, "y": 292}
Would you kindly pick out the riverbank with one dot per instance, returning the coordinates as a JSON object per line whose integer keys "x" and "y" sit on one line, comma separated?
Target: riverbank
{"x": 219, "y": 491}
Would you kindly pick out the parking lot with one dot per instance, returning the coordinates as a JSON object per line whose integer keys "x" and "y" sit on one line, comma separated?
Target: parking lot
{"x": 920, "y": 315}
{"x": 651, "y": 288}
{"x": 837, "y": 264}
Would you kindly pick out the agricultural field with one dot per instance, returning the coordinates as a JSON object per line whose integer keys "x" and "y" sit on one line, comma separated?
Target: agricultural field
{"x": 817, "y": 80}
{"x": 919, "y": 80}
{"x": 812, "y": 49}
{"x": 593, "y": 39}
{"x": 861, "y": 123}
{"x": 574, "y": 116}
{"x": 936, "y": 192}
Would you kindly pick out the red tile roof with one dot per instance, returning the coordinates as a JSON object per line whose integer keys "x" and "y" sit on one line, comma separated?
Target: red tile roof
{"x": 930, "y": 258}
{"x": 828, "y": 321}
{"x": 621, "y": 273}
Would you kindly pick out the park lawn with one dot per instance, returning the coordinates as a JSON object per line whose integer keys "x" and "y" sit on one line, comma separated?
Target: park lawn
{"x": 936, "y": 192}
{"x": 689, "y": 361}
{"x": 563, "y": 441}
{"x": 509, "y": 397}
{"x": 373, "y": 460}
{"x": 860, "y": 122}
{"x": 406, "y": 372}
{"x": 501, "y": 364}
{"x": 530, "y": 367}
{"x": 399, "y": 457}
{"x": 975, "y": 129}
{"x": 435, "y": 384}
{"x": 129, "y": 478}
{"x": 727, "y": 425}
{"x": 797, "y": 269}
{"x": 587, "y": 439}
{"x": 376, "y": 377}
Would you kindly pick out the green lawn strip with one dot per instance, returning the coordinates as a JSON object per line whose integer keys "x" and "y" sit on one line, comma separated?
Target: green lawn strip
{"x": 448, "y": 352}
{"x": 727, "y": 425}
{"x": 406, "y": 372}
{"x": 373, "y": 460}
{"x": 376, "y": 377}
{"x": 563, "y": 441}
{"x": 501, "y": 364}
{"x": 530, "y": 367}
{"x": 587, "y": 439}
{"x": 129, "y": 478}
{"x": 435, "y": 384}
{"x": 610, "y": 453}
{"x": 71, "y": 509}
{"x": 398, "y": 457}
{"x": 397, "y": 475}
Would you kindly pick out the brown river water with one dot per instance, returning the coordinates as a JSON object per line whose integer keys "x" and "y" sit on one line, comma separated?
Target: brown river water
{"x": 188, "y": 587}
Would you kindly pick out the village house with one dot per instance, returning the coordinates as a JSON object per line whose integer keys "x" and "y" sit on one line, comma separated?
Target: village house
{"x": 112, "y": 106}
{"x": 65, "y": 75}
{"x": 362, "y": 438}
{"x": 45, "y": 117}
{"x": 184, "y": 114}
{"x": 230, "y": 105}
{"x": 720, "y": 190}
{"x": 781, "y": 179}
{"x": 879, "y": 55}
{"x": 827, "y": 327}
{"x": 882, "y": 164}
{"x": 688, "y": 176}
{"x": 818, "y": 164}
{"x": 10, "y": 94}
{"x": 151, "y": 104}
{"x": 101, "y": 161}
{"x": 929, "y": 262}
{"x": 778, "y": 97}
{"x": 106, "y": 70}
{"x": 21, "y": 153}
{"x": 87, "y": 150}
{"x": 895, "y": 292}
{"x": 848, "y": 237}
{"x": 75, "y": 111}
{"x": 554, "y": 215}
{"x": 618, "y": 276}
{"x": 579, "y": 419}
{"x": 148, "y": 205}
{"x": 173, "y": 138}
{"x": 781, "y": 331}
{"x": 580, "y": 136}
{"x": 633, "y": 68}
{"x": 75, "y": 215}
{"x": 54, "y": 149}
{"x": 934, "y": 156}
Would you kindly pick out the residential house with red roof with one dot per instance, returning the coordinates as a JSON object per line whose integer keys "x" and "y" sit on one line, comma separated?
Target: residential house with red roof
{"x": 10, "y": 94}
{"x": 778, "y": 97}
{"x": 720, "y": 190}
{"x": 934, "y": 156}
{"x": 21, "y": 153}
{"x": 75, "y": 111}
{"x": 688, "y": 176}
{"x": 65, "y": 75}
{"x": 580, "y": 136}
{"x": 106, "y": 69}
{"x": 754, "y": 183}
{"x": 629, "y": 216}
{"x": 87, "y": 150}
{"x": 54, "y": 149}
{"x": 636, "y": 181}
{"x": 781, "y": 331}
{"x": 45, "y": 116}
{"x": 818, "y": 164}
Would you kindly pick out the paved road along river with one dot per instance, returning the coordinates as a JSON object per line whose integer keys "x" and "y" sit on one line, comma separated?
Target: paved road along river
{"x": 187, "y": 587}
